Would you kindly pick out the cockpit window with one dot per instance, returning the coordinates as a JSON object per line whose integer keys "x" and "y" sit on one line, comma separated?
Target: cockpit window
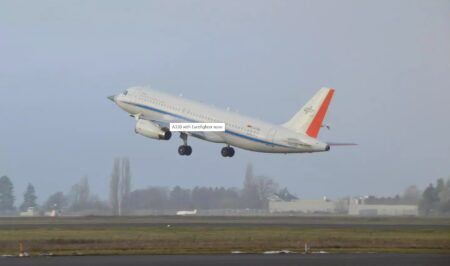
{"x": 125, "y": 92}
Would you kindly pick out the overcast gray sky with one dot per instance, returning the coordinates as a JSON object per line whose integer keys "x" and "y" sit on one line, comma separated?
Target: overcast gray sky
{"x": 389, "y": 62}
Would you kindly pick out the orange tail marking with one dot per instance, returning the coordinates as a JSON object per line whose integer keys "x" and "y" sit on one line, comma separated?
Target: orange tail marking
{"x": 316, "y": 124}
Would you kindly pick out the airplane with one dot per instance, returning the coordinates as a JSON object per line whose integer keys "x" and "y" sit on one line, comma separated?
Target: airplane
{"x": 155, "y": 110}
{"x": 184, "y": 213}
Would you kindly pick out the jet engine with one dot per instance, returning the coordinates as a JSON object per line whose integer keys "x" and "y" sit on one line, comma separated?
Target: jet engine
{"x": 151, "y": 130}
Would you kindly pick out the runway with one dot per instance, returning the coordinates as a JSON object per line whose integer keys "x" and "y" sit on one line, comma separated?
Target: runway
{"x": 238, "y": 259}
{"x": 223, "y": 221}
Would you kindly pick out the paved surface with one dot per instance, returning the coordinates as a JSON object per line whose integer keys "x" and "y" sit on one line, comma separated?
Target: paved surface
{"x": 239, "y": 259}
{"x": 145, "y": 225}
{"x": 225, "y": 221}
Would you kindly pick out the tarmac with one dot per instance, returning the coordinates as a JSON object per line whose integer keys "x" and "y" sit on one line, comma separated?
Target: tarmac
{"x": 223, "y": 221}
{"x": 238, "y": 259}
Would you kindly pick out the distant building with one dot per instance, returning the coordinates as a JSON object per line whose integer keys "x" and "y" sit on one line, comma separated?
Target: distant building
{"x": 31, "y": 211}
{"x": 354, "y": 206}
{"x": 302, "y": 206}
{"x": 358, "y": 207}
{"x": 53, "y": 213}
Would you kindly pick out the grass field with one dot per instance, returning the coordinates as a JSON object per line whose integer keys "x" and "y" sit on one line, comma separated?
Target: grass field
{"x": 183, "y": 235}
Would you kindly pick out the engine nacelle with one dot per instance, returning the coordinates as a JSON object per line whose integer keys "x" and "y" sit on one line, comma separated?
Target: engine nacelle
{"x": 151, "y": 130}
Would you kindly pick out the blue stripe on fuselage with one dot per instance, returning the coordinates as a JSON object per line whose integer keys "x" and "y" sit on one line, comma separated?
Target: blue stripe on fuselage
{"x": 191, "y": 120}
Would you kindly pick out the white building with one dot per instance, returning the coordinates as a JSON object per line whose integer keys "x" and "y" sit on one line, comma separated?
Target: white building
{"x": 358, "y": 207}
{"x": 31, "y": 211}
{"x": 302, "y": 206}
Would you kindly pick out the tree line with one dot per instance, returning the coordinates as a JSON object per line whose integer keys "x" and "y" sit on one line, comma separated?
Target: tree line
{"x": 411, "y": 196}
{"x": 122, "y": 200}
{"x": 436, "y": 198}
{"x": 255, "y": 193}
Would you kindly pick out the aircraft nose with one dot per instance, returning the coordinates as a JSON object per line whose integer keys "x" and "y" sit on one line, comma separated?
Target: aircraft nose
{"x": 112, "y": 98}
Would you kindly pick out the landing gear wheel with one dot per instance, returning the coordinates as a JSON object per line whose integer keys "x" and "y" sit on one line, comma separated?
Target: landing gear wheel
{"x": 231, "y": 152}
{"x": 224, "y": 151}
{"x": 227, "y": 152}
{"x": 185, "y": 150}
{"x": 188, "y": 150}
{"x": 181, "y": 150}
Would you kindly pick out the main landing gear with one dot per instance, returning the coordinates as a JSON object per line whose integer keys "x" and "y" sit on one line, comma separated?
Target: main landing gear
{"x": 184, "y": 149}
{"x": 227, "y": 151}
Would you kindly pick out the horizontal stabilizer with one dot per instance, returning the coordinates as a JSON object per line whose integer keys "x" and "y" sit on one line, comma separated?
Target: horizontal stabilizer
{"x": 341, "y": 144}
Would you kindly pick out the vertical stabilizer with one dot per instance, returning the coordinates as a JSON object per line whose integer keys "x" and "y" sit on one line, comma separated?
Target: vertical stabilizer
{"x": 310, "y": 118}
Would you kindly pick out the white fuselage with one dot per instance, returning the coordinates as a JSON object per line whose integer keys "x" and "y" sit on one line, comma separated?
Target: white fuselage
{"x": 240, "y": 131}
